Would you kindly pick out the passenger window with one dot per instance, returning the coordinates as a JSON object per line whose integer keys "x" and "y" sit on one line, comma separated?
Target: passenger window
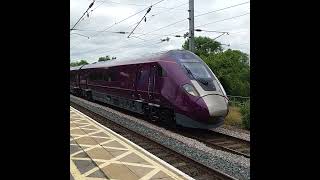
{"x": 107, "y": 76}
{"x": 100, "y": 76}
{"x": 139, "y": 74}
{"x": 95, "y": 76}
{"x": 72, "y": 77}
{"x": 161, "y": 72}
{"x": 113, "y": 75}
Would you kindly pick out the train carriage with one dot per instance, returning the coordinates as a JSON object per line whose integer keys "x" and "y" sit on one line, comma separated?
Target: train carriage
{"x": 175, "y": 86}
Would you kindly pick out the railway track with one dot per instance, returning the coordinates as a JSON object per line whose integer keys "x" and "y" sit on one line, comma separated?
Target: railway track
{"x": 184, "y": 164}
{"x": 219, "y": 141}
{"x": 210, "y": 138}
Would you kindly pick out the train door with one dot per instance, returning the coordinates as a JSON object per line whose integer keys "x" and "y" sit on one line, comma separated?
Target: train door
{"x": 83, "y": 80}
{"x": 155, "y": 84}
{"x": 152, "y": 81}
{"x": 142, "y": 82}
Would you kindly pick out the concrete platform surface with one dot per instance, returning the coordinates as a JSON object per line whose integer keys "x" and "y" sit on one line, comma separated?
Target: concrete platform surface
{"x": 97, "y": 153}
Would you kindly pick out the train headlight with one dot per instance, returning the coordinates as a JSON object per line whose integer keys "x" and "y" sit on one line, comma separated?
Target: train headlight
{"x": 190, "y": 89}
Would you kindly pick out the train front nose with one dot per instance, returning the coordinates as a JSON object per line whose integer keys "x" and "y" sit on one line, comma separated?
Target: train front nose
{"x": 216, "y": 104}
{"x": 217, "y": 107}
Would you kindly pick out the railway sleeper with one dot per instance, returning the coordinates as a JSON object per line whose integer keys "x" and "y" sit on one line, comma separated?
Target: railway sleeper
{"x": 190, "y": 170}
{"x": 203, "y": 177}
{"x": 142, "y": 143}
{"x": 170, "y": 158}
{"x": 225, "y": 143}
{"x": 217, "y": 140}
{"x": 149, "y": 147}
{"x": 163, "y": 155}
{"x": 179, "y": 164}
{"x": 157, "y": 151}
{"x": 244, "y": 150}
{"x": 234, "y": 146}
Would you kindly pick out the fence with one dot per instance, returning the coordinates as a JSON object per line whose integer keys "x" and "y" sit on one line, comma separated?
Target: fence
{"x": 237, "y": 100}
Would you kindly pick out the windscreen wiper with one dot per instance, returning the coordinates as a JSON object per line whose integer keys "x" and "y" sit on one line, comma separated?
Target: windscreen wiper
{"x": 195, "y": 76}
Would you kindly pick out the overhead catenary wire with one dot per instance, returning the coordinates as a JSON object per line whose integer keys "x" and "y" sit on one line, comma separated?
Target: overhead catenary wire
{"x": 98, "y": 32}
{"x": 186, "y": 3}
{"x": 169, "y": 9}
{"x": 130, "y": 4}
{"x": 160, "y": 13}
{"x": 123, "y": 32}
{"x": 80, "y": 35}
{"x": 140, "y": 21}
{"x": 119, "y": 22}
{"x": 197, "y": 16}
{"x": 91, "y": 12}
{"x": 222, "y": 20}
{"x": 131, "y": 16}
{"x": 200, "y": 30}
{"x": 213, "y": 39}
{"x": 91, "y": 4}
{"x": 179, "y": 31}
{"x": 202, "y": 14}
{"x": 233, "y": 17}
{"x": 97, "y": 7}
{"x": 196, "y": 26}
{"x": 164, "y": 27}
{"x": 122, "y": 20}
{"x": 138, "y": 44}
{"x": 174, "y": 22}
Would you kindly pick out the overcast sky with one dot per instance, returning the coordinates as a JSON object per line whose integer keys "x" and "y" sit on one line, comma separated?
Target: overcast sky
{"x": 147, "y": 38}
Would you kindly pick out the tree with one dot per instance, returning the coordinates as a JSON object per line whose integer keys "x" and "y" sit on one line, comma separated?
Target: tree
{"x": 107, "y": 58}
{"x": 231, "y": 66}
{"x": 204, "y": 46}
{"x": 78, "y": 63}
{"x": 232, "y": 69}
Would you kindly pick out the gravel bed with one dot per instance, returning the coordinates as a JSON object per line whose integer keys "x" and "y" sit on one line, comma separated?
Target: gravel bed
{"x": 231, "y": 164}
{"x": 232, "y": 132}
{"x": 234, "y": 128}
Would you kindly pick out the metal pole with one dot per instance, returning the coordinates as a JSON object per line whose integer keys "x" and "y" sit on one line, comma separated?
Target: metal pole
{"x": 191, "y": 25}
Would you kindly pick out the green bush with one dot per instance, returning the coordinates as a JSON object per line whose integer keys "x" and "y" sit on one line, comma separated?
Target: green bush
{"x": 245, "y": 112}
{"x": 232, "y": 69}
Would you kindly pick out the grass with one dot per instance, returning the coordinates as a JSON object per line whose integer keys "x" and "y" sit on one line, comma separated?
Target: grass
{"x": 234, "y": 117}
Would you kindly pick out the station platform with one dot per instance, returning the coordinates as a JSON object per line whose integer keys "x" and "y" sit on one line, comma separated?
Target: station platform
{"x": 97, "y": 153}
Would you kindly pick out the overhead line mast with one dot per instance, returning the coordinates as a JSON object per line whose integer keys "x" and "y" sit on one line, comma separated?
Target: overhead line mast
{"x": 191, "y": 25}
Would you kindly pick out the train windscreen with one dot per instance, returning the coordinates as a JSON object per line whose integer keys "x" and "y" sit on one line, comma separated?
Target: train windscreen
{"x": 185, "y": 56}
{"x": 198, "y": 70}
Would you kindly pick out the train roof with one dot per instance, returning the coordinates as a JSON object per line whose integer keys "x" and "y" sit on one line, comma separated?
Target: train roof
{"x": 75, "y": 68}
{"x": 144, "y": 59}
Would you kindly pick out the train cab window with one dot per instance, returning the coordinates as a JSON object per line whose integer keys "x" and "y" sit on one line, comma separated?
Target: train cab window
{"x": 197, "y": 70}
{"x": 185, "y": 56}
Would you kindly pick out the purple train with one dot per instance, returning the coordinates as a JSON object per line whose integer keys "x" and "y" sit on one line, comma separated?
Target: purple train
{"x": 175, "y": 86}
